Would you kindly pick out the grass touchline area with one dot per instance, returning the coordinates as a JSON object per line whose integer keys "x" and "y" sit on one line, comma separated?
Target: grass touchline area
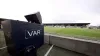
{"x": 75, "y": 32}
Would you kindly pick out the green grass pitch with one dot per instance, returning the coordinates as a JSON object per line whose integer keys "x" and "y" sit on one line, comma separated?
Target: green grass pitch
{"x": 2, "y": 40}
{"x": 74, "y": 32}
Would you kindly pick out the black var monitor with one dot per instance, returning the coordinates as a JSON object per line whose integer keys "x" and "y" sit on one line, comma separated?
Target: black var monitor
{"x": 23, "y": 38}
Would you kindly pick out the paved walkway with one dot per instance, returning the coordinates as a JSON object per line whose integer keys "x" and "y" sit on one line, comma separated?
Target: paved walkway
{"x": 56, "y": 51}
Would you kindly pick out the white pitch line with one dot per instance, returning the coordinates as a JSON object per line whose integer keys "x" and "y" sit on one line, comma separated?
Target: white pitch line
{"x": 3, "y": 47}
{"x": 49, "y": 50}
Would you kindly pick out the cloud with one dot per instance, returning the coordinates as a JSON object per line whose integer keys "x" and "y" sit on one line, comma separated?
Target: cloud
{"x": 53, "y": 10}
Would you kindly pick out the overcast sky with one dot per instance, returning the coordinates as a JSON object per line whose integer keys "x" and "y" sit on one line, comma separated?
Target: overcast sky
{"x": 53, "y": 11}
